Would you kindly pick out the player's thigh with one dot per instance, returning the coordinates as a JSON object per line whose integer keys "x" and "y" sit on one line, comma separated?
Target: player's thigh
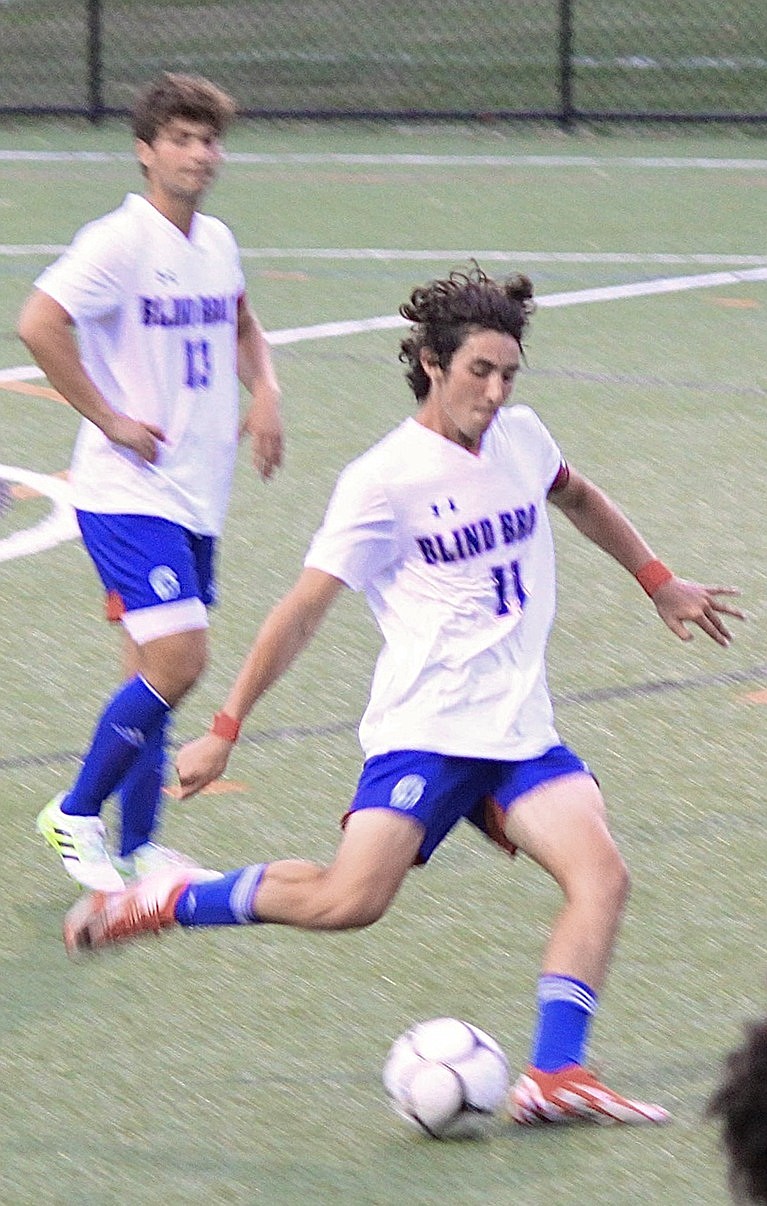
{"x": 377, "y": 850}
{"x": 562, "y": 825}
{"x": 171, "y": 663}
{"x": 131, "y": 655}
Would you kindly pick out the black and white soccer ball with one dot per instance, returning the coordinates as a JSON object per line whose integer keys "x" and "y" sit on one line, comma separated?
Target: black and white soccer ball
{"x": 447, "y": 1078}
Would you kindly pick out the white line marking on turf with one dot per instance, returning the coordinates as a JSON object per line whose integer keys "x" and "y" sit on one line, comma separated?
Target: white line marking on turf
{"x": 669, "y": 284}
{"x": 503, "y": 257}
{"x": 58, "y": 526}
{"x": 61, "y": 525}
{"x": 704, "y": 163}
{"x": 331, "y": 330}
{"x": 23, "y": 372}
{"x": 578, "y": 297}
{"x": 286, "y": 159}
{"x": 736, "y": 259}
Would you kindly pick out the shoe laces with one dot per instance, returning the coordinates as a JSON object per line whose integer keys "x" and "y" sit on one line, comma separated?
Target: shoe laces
{"x": 88, "y": 835}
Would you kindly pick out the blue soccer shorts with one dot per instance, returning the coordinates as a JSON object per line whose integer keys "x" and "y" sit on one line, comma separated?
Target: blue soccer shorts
{"x": 158, "y": 576}
{"x": 439, "y": 790}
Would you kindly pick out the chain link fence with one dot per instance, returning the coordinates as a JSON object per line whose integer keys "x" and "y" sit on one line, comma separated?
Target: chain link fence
{"x": 564, "y": 60}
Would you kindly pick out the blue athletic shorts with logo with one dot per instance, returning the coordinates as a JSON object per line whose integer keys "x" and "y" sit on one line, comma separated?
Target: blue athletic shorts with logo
{"x": 439, "y": 790}
{"x": 146, "y": 562}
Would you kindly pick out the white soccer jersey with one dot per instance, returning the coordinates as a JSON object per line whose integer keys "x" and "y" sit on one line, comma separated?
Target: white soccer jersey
{"x": 455, "y": 555}
{"x": 156, "y": 317}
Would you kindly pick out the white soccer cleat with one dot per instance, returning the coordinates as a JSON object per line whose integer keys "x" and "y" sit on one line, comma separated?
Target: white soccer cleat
{"x": 574, "y": 1092}
{"x": 147, "y": 858}
{"x": 81, "y": 844}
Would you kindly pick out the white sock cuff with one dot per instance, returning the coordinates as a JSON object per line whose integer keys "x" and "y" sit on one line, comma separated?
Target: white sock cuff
{"x": 565, "y": 988}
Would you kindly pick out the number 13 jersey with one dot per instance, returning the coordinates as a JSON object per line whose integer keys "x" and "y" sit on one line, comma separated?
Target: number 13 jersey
{"x": 156, "y": 319}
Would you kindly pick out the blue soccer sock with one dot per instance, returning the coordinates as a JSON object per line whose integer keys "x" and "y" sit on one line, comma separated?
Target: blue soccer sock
{"x": 226, "y": 901}
{"x": 126, "y": 723}
{"x": 565, "y": 1009}
{"x": 141, "y": 791}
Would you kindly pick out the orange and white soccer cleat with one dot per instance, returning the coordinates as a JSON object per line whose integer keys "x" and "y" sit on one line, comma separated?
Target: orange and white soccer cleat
{"x": 147, "y": 906}
{"x": 574, "y": 1092}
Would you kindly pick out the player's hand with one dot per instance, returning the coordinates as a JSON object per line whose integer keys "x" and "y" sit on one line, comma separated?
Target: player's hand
{"x": 680, "y": 603}
{"x": 142, "y": 438}
{"x": 267, "y": 439}
{"x": 200, "y": 762}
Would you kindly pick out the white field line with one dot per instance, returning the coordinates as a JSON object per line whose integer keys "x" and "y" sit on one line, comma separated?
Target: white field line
{"x": 504, "y": 257}
{"x": 672, "y": 284}
{"x": 22, "y": 372}
{"x": 578, "y": 297}
{"x": 406, "y": 254}
{"x": 672, "y": 162}
{"x": 59, "y": 525}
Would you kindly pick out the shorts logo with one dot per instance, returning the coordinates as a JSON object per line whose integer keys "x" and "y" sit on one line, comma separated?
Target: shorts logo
{"x": 407, "y": 792}
{"x": 164, "y": 583}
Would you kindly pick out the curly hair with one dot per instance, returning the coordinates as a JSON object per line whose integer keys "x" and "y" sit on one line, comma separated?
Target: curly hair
{"x": 445, "y": 312}
{"x": 175, "y": 95}
{"x": 740, "y": 1103}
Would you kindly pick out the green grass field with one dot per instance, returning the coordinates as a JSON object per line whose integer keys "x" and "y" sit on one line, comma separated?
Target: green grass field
{"x": 235, "y": 1068}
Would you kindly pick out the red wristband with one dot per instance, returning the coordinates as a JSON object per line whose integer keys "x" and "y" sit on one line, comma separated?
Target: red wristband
{"x": 225, "y": 726}
{"x": 652, "y": 576}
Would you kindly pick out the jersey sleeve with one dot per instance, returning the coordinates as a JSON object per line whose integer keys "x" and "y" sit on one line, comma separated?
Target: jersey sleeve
{"x": 87, "y": 280}
{"x": 544, "y": 449}
{"x": 229, "y": 246}
{"x": 357, "y": 540}
{"x": 562, "y": 478}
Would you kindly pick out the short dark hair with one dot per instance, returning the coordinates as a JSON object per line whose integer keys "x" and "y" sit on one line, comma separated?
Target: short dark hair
{"x": 740, "y": 1103}
{"x": 445, "y": 312}
{"x": 189, "y": 96}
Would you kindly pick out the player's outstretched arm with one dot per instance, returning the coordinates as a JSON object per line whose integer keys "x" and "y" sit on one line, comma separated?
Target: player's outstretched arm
{"x": 285, "y": 632}
{"x": 678, "y": 602}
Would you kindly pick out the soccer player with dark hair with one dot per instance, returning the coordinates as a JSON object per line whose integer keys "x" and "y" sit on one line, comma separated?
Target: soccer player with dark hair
{"x": 443, "y": 525}
{"x": 144, "y": 326}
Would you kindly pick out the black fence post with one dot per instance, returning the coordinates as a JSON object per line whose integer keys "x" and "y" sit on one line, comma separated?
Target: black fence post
{"x": 566, "y": 106}
{"x": 95, "y": 63}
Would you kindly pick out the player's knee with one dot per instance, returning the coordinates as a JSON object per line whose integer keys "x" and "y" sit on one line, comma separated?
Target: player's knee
{"x": 615, "y": 880}
{"x": 354, "y": 915}
{"x": 609, "y": 874}
{"x": 173, "y": 669}
{"x": 193, "y": 668}
{"x": 601, "y": 884}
